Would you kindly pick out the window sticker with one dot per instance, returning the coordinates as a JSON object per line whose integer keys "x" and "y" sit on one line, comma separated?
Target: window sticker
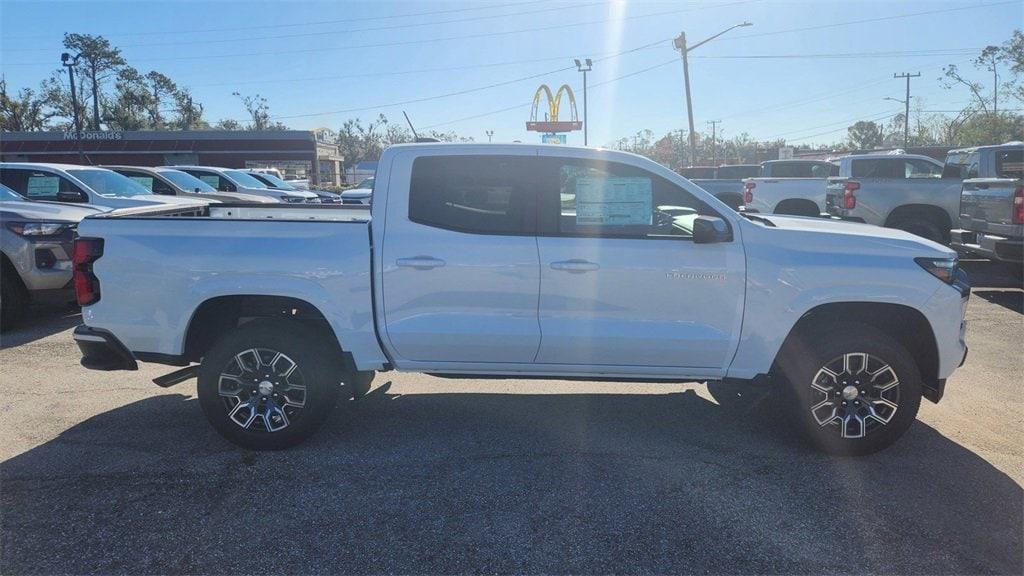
{"x": 145, "y": 181}
{"x": 615, "y": 201}
{"x": 211, "y": 180}
{"x": 43, "y": 186}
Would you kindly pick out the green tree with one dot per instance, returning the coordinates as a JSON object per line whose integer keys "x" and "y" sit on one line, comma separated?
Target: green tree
{"x": 129, "y": 108}
{"x": 100, "y": 61}
{"x": 23, "y": 111}
{"x": 190, "y": 112}
{"x": 259, "y": 111}
{"x": 864, "y": 135}
{"x": 162, "y": 92}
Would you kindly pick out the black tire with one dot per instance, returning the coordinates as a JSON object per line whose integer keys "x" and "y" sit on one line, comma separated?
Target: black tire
{"x": 318, "y": 367}
{"x": 360, "y": 383}
{"x": 806, "y": 356}
{"x": 13, "y": 297}
{"x": 923, "y": 228}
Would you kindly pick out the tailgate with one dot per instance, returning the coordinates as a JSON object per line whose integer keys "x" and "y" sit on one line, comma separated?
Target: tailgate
{"x": 987, "y": 204}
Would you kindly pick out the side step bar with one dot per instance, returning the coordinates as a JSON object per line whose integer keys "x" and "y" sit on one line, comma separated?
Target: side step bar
{"x": 176, "y": 377}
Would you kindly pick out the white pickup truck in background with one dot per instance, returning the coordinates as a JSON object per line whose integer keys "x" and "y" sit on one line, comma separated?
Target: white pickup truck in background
{"x": 903, "y": 191}
{"x": 882, "y": 176}
{"x": 511, "y": 260}
{"x": 728, "y": 182}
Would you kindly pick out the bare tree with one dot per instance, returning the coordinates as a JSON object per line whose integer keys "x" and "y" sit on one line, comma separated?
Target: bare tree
{"x": 101, "y": 61}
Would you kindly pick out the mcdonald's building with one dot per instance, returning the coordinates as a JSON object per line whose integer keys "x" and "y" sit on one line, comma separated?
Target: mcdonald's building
{"x": 297, "y": 153}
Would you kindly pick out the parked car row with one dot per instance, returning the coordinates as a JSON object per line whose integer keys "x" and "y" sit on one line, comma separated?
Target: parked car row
{"x": 973, "y": 201}
{"x": 42, "y": 204}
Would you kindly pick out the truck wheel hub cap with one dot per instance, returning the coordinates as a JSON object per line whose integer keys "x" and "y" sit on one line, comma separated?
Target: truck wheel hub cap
{"x": 262, "y": 390}
{"x": 854, "y": 394}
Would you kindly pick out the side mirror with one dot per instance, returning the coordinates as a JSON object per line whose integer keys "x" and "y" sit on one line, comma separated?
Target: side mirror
{"x": 66, "y": 196}
{"x": 710, "y": 229}
{"x": 198, "y": 190}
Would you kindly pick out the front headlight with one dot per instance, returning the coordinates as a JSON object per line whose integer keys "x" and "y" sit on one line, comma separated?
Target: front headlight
{"x": 942, "y": 268}
{"x": 38, "y": 229}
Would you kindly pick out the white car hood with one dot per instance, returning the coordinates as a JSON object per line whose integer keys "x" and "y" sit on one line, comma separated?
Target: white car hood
{"x": 357, "y": 193}
{"x": 46, "y": 211}
{"x": 844, "y": 231}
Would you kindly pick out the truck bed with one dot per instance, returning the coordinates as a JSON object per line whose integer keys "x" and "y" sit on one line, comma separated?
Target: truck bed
{"x": 159, "y": 266}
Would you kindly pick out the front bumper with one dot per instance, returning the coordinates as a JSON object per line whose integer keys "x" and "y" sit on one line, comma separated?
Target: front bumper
{"x": 988, "y": 245}
{"x": 101, "y": 350}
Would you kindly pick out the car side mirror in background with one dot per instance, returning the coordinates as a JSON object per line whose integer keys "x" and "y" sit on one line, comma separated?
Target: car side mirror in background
{"x": 198, "y": 190}
{"x": 70, "y": 197}
{"x": 710, "y": 229}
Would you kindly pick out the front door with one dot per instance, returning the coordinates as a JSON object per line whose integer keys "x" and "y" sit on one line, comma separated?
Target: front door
{"x": 460, "y": 268}
{"x": 622, "y": 282}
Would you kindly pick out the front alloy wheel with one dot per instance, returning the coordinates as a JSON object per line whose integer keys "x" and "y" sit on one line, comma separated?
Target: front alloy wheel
{"x": 855, "y": 394}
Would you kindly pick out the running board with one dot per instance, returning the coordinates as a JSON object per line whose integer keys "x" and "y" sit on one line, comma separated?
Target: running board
{"x": 176, "y": 377}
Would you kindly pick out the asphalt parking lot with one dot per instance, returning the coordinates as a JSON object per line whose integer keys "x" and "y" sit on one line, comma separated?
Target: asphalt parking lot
{"x": 107, "y": 473}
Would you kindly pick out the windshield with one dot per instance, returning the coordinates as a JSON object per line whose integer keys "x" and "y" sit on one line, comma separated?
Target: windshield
{"x": 186, "y": 181}
{"x": 368, "y": 183}
{"x": 274, "y": 181}
{"x": 244, "y": 179}
{"x": 738, "y": 171}
{"x": 109, "y": 183}
{"x": 8, "y": 194}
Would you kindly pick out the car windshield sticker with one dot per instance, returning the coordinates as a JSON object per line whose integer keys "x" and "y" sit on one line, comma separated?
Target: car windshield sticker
{"x": 617, "y": 201}
{"x": 43, "y": 186}
{"x": 145, "y": 181}
{"x": 211, "y": 180}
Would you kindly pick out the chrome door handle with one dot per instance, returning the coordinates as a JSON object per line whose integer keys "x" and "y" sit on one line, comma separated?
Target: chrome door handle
{"x": 575, "y": 266}
{"x": 420, "y": 262}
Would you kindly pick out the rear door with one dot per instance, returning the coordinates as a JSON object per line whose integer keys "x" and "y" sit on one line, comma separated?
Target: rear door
{"x": 623, "y": 286}
{"x": 460, "y": 272}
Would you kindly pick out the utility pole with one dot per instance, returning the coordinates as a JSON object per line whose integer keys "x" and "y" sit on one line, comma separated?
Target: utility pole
{"x": 70, "y": 63}
{"x": 906, "y": 114}
{"x": 489, "y": 133}
{"x": 680, "y": 44}
{"x": 714, "y": 135}
{"x": 585, "y": 66}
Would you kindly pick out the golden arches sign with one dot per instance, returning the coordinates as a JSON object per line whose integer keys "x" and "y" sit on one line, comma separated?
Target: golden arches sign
{"x": 552, "y": 123}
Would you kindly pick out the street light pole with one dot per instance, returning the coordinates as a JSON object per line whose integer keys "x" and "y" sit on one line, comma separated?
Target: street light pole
{"x": 585, "y": 67}
{"x": 70, "y": 63}
{"x": 906, "y": 103}
{"x": 489, "y": 133}
{"x": 680, "y": 44}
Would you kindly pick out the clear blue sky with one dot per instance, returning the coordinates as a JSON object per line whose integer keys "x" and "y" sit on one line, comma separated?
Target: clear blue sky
{"x": 352, "y": 50}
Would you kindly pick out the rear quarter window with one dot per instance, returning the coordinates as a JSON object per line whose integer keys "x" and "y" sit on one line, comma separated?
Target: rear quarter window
{"x": 1010, "y": 163}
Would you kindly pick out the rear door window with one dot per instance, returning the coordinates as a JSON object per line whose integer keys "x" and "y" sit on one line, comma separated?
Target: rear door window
{"x": 878, "y": 168}
{"x": 474, "y": 194}
{"x": 916, "y": 168}
{"x": 1010, "y": 163}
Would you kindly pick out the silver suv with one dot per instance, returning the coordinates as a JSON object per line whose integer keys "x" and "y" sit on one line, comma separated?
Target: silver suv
{"x": 36, "y": 241}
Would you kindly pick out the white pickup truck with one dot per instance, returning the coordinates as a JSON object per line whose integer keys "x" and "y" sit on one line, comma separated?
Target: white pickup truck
{"x": 511, "y": 260}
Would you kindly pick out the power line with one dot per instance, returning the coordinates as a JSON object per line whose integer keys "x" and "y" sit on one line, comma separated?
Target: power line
{"x": 879, "y": 19}
{"x": 331, "y": 32}
{"x": 423, "y": 40}
{"x": 846, "y": 123}
{"x": 465, "y": 91}
{"x": 296, "y": 24}
{"x": 842, "y": 55}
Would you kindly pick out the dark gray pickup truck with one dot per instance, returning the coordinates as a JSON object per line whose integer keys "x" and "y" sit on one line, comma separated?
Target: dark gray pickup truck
{"x": 992, "y": 204}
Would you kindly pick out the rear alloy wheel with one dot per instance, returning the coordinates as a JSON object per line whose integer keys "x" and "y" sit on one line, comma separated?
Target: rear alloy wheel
{"x": 270, "y": 384}
{"x": 855, "y": 389}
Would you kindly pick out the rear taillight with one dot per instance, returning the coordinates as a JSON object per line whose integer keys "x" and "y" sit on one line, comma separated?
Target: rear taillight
{"x": 849, "y": 199}
{"x": 748, "y": 192}
{"x": 87, "y": 286}
{"x": 1018, "y": 205}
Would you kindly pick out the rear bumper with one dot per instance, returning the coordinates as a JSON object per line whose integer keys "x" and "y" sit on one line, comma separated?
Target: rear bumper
{"x": 988, "y": 245}
{"x": 101, "y": 350}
